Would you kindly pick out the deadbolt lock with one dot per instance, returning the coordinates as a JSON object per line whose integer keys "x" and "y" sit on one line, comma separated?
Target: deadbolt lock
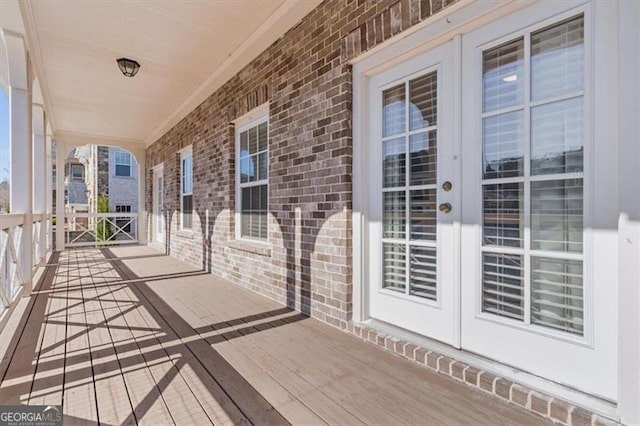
{"x": 447, "y": 186}
{"x": 445, "y": 207}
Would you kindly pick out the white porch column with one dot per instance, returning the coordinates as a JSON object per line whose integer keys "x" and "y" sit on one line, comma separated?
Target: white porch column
{"x": 39, "y": 174}
{"x": 629, "y": 222}
{"x": 61, "y": 153}
{"x": 20, "y": 146}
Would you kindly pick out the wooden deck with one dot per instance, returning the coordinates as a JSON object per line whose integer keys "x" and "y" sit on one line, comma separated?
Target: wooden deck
{"x": 129, "y": 335}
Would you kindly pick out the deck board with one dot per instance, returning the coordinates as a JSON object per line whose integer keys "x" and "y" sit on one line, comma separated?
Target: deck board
{"x": 131, "y": 336}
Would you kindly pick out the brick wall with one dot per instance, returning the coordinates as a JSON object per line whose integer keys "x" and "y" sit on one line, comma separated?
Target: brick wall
{"x": 307, "y": 80}
{"x": 103, "y": 170}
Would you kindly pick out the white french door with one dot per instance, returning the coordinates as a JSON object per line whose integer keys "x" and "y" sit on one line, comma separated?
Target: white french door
{"x": 411, "y": 212}
{"x": 489, "y": 222}
{"x": 158, "y": 202}
{"x": 531, "y": 201}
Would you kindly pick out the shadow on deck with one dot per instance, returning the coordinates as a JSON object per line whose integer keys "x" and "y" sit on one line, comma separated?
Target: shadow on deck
{"x": 128, "y": 335}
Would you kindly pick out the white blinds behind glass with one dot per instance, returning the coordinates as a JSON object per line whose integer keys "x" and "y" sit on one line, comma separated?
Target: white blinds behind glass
{"x": 409, "y": 146}
{"x": 541, "y": 186}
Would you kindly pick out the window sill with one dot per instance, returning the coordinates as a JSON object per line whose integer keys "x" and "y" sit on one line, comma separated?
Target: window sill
{"x": 185, "y": 233}
{"x": 253, "y": 247}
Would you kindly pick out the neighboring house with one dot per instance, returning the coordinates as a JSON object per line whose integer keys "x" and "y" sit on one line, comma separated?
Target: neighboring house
{"x": 4, "y": 197}
{"x": 122, "y": 184}
{"x": 78, "y": 182}
{"x": 95, "y": 171}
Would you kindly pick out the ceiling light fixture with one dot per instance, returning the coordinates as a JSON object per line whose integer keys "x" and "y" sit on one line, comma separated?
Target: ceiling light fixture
{"x": 129, "y": 67}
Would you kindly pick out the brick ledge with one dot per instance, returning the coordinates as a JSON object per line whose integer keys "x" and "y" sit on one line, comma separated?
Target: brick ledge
{"x": 554, "y": 409}
{"x": 249, "y": 247}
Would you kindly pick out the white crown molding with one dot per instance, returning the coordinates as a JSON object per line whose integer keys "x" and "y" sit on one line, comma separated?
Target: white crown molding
{"x": 283, "y": 19}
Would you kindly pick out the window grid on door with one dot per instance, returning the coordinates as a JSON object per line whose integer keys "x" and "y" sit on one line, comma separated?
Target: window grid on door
{"x": 532, "y": 186}
{"x": 409, "y": 146}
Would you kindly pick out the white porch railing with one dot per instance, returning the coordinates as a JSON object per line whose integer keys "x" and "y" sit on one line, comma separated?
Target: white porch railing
{"x": 98, "y": 229}
{"x": 14, "y": 273}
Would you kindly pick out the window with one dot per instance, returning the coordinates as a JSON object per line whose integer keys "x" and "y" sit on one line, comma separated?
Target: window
{"x": 532, "y": 138}
{"x": 186, "y": 189}
{"x": 252, "y": 141}
{"x": 123, "y": 222}
{"x": 77, "y": 172}
{"x": 409, "y": 186}
{"x": 123, "y": 164}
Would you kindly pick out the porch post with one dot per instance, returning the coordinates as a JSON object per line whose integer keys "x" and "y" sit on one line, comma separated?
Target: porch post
{"x": 61, "y": 153}
{"x": 629, "y": 221}
{"x": 39, "y": 175}
{"x": 20, "y": 147}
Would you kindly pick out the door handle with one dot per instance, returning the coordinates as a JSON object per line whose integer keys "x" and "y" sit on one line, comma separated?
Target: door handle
{"x": 445, "y": 207}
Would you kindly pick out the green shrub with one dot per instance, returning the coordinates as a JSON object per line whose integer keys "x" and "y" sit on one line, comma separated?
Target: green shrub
{"x": 104, "y": 231}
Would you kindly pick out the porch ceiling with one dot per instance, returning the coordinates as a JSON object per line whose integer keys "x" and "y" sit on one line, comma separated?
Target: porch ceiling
{"x": 186, "y": 50}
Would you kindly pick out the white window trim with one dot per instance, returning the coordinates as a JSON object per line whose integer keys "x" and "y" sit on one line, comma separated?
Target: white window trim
{"x": 251, "y": 119}
{"x": 116, "y": 163}
{"x": 74, "y": 178}
{"x": 185, "y": 152}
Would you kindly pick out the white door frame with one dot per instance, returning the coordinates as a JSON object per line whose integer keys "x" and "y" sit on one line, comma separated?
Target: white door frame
{"x": 435, "y": 30}
{"x": 157, "y": 171}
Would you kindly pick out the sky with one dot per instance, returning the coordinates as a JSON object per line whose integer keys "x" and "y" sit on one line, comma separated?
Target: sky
{"x": 4, "y": 136}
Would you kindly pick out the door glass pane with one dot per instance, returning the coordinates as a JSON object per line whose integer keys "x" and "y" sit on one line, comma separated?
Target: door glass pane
{"x": 556, "y": 137}
{"x": 503, "y": 215}
{"x": 557, "y": 294}
{"x": 423, "y": 214}
{"x": 556, "y": 215}
{"x": 423, "y": 272}
{"x": 424, "y": 101}
{"x": 393, "y": 111}
{"x": 557, "y": 54}
{"x": 418, "y": 194}
{"x": 394, "y": 214}
{"x": 424, "y": 155}
{"x": 394, "y": 162}
{"x": 394, "y": 266}
{"x": 503, "y": 76}
{"x": 503, "y": 145}
{"x": 534, "y": 195}
{"x": 502, "y": 285}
